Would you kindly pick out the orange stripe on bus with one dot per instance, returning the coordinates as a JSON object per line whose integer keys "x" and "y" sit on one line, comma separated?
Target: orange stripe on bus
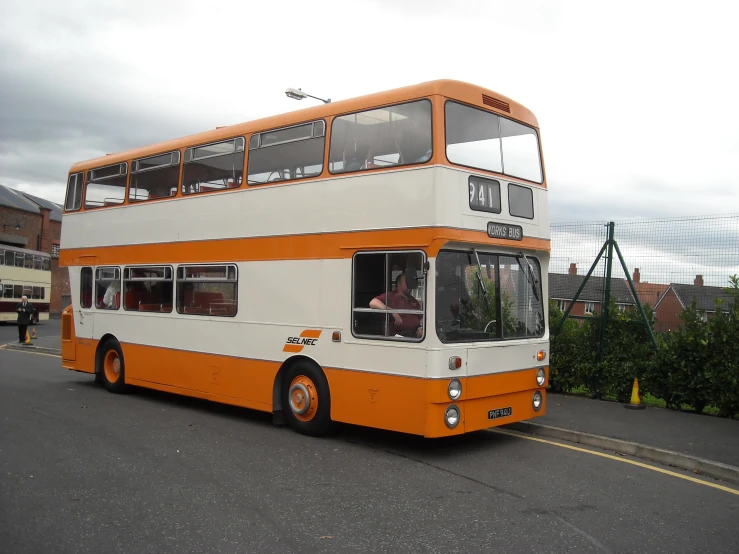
{"x": 311, "y": 333}
{"x": 294, "y": 348}
{"x": 290, "y": 247}
{"x": 386, "y": 401}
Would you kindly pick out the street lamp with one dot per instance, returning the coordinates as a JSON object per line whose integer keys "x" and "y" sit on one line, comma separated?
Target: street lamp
{"x": 298, "y": 94}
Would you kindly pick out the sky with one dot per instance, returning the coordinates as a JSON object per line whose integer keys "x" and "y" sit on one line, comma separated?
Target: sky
{"x": 636, "y": 101}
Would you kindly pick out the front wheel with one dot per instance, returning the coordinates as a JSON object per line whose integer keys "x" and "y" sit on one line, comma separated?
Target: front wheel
{"x": 306, "y": 400}
{"x": 111, "y": 368}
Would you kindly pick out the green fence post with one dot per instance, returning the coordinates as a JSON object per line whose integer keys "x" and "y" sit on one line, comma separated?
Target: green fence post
{"x": 636, "y": 296}
{"x": 607, "y": 299}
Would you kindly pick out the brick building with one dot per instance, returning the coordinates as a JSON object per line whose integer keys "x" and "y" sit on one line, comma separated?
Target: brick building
{"x": 679, "y": 296}
{"x": 649, "y": 293}
{"x": 562, "y": 289}
{"x": 35, "y": 224}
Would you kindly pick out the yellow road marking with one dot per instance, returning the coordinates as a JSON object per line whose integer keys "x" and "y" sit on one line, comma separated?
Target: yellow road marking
{"x": 619, "y": 459}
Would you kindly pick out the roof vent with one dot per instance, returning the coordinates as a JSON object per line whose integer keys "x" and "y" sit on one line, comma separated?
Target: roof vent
{"x": 495, "y": 103}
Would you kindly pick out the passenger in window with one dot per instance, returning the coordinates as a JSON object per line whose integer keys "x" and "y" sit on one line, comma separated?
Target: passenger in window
{"x": 109, "y": 298}
{"x": 406, "y": 325}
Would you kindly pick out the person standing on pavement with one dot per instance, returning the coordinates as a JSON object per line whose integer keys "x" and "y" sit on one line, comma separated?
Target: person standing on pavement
{"x": 25, "y": 312}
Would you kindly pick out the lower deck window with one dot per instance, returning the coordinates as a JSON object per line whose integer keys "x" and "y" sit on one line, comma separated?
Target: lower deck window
{"x": 389, "y": 293}
{"x": 207, "y": 290}
{"x": 86, "y": 287}
{"x": 148, "y": 289}
{"x": 108, "y": 288}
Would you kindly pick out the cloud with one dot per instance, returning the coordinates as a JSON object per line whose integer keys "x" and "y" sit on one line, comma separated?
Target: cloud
{"x": 636, "y": 104}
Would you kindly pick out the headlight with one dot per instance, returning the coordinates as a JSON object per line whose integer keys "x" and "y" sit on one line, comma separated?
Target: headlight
{"x": 451, "y": 416}
{"x": 537, "y": 401}
{"x": 541, "y": 376}
{"x": 454, "y": 389}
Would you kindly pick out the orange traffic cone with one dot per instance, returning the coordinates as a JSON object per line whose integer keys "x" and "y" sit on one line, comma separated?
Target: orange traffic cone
{"x": 635, "y": 403}
{"x": 33, "y": 333}
{"x": 28, "y": 339}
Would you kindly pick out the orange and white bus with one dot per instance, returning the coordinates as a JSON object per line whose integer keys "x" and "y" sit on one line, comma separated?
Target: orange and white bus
{"x": 380, "y": 261}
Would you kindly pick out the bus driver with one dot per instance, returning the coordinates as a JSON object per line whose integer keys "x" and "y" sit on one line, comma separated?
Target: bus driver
{"x": 407, "y": 325}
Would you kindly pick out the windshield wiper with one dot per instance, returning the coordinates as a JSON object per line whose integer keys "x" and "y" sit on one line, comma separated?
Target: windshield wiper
{"x": 530, "y": 276}
{"x": 482, "y": 285}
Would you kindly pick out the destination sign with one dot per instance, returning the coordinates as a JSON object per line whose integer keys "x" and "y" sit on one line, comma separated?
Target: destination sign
{"x": 504, "y": 231}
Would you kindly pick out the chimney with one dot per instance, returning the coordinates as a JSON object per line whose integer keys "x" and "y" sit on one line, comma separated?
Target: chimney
{"x": 637, "y": 277}
{"x": 698, "y": 280}
{"x": 573, "y": 269}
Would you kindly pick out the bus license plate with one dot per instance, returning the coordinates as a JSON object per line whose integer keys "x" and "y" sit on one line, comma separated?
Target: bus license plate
{"x": 500, "y": 412}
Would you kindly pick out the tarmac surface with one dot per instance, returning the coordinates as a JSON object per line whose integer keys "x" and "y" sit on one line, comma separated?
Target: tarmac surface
{"x": 83, "y": 470}
{"x": 703, "y": 436}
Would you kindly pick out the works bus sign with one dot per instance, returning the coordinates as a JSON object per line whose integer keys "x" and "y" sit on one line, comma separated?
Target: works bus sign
{"x": 504, "y": 231}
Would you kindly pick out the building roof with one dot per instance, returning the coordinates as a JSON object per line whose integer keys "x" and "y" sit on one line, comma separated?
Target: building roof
{"x": 19, "y": 200}
{"x": 650, "y": 293}
{"x": 564, "y": 286}
{"x": 705, "y": 297}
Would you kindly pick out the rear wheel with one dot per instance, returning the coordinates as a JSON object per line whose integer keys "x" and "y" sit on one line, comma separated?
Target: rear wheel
{"x": 306, "y": 400}
{"x": 111, "y": 370}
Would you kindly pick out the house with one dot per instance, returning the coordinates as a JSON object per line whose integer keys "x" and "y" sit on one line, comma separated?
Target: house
{"x": 562, "y": 289}
{"x": 679, "y": 296}
{"x": 649, "y": 293}
{"x": 36, "y": 224}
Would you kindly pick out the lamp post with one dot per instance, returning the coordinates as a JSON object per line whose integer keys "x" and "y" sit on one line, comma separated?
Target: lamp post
{"x": 298, "y": 94}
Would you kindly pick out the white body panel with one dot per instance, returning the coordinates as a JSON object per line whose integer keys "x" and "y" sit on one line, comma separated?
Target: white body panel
{"x": 279, "y": 299}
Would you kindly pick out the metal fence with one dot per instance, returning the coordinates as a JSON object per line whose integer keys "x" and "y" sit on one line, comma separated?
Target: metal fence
{"x": 701, "y": 250}
{"x": 670, "y": 261}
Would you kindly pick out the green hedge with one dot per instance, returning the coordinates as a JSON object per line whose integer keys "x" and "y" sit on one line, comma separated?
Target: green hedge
{"x": 697, "y": 365}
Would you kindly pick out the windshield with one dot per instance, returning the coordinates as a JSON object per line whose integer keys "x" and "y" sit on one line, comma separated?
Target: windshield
{"x": 481, "y": 296}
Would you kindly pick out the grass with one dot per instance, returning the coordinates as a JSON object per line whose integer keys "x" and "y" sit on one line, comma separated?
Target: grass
{"x": 647, "y": 399}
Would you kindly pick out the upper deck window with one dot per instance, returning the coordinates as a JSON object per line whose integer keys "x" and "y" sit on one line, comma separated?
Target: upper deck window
{"x": 74, "y": 193}
{"x": 216, "y": 166}
{"x": 285, "y": 154}
{"x": 106, "y": 186}
{"x": 154, "y": 177}
{"x": 484, "y": 140}
{"x": 390, "y": 136}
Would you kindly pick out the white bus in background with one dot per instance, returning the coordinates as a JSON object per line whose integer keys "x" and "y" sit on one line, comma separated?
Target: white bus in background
{"x": 24, "y": 272}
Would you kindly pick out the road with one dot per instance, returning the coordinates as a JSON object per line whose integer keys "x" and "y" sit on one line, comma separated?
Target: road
{"x": 83, "y": 470}
{"x": 50, "y": 328}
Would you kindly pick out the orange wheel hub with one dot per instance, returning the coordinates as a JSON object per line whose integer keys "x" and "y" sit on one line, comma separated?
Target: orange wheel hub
{"x": 112, "y": 366}
{"x": 303, "y": 398}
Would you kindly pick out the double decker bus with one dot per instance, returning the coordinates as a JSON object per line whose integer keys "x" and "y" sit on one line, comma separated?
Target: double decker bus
{"x": 379, "y": 261}
{"x": 24, "y": 273}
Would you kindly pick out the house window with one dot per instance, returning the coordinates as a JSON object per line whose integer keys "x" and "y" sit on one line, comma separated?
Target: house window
{"x": 621, "y": 307}
{"x": 589, "y": 307}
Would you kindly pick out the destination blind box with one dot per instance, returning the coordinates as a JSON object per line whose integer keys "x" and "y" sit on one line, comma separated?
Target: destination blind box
{"x": 504, "y": 231}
